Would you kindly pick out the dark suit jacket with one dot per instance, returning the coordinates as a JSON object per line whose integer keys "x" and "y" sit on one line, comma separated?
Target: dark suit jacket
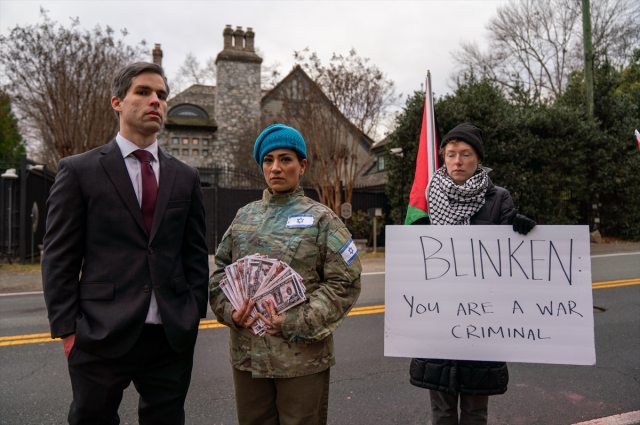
{"x": 100, "y": 263}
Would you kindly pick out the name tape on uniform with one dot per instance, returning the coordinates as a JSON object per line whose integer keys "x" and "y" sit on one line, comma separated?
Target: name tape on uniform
{"x": 300, "y": 221}
{"x": 349, "y": 251}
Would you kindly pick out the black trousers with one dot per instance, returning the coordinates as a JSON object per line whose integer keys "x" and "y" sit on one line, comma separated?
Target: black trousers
{"x": 161, "y": 377}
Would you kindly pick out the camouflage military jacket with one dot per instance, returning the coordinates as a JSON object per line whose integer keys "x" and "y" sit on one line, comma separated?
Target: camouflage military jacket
{"x": 305, "y": 345}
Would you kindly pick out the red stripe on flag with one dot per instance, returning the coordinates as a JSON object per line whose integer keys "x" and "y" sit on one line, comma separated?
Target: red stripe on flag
{"x": 421, "y": 180}
{"x": 427, "y": 160}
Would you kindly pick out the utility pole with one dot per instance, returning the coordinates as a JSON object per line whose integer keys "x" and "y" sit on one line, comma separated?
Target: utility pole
{"x": 588, "y": 56}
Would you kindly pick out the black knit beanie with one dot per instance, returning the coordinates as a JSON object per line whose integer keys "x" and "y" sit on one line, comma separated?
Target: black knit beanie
{"x": 468, "y": 133}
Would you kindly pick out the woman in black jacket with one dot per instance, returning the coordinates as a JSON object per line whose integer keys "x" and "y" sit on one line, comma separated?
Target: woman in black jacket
{"x": 461, "y": 193}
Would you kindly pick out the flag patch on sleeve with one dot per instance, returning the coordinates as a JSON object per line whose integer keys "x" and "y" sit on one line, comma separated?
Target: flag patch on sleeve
{"x": 300, "y": 221}
{"x": 349, "y": 251}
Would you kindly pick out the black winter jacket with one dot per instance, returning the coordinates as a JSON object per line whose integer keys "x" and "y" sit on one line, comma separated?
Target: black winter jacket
{"x": 465, "y": 376}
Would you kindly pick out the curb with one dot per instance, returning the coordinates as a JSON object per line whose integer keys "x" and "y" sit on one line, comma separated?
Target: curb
{"x": 629, "y": 418}
{"x": 613, "y": 248}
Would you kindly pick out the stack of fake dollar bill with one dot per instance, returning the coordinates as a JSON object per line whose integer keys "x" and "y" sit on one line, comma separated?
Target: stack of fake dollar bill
{"x": 262, "y": 279}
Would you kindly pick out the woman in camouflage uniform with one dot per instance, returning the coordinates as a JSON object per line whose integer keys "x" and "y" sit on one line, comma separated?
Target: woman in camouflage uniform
{"x": 283, "y": 377}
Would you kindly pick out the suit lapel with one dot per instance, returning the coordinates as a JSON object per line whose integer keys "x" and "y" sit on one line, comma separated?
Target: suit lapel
{"x": 167, "y": 177}
{"x": 114, "y": 165}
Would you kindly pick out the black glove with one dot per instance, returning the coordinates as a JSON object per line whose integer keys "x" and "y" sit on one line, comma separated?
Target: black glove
{"x": 522, "y": 224}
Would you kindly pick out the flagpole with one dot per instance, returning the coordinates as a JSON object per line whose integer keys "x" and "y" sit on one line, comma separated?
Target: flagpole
{"x": 431, "y": 122}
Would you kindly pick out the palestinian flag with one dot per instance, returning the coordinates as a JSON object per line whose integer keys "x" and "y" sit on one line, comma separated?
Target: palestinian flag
{"x": 427, "y": 161}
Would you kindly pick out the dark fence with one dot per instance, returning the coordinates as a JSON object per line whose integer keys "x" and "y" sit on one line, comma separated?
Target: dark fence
{"x": 23, "y": 210}
{"x": 226, "y": 190}
{"x": 25, "y": 190}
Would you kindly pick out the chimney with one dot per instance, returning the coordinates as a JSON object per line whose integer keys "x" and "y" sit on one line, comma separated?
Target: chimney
{"x": 238, "y": 36}
{"x": 157, "y": 55}
{"x": 248, "y": 40}
{"x": 227, "y": 34}
{"x": 238, "y": 47}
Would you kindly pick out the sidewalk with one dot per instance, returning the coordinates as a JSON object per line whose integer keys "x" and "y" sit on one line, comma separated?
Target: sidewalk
{"x": 20, "y": 281}
{"x": 372, "y": 265}
{"x": 614, "y": 248}
{"x": 31, "y": 280}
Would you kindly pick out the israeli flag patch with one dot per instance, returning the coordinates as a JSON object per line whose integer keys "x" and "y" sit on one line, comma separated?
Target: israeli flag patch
{"x": 300, "y": 221}
{"x": 349, "y": 251}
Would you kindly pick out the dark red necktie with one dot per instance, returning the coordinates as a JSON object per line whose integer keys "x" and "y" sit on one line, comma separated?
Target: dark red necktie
{"x": 149, "y": 187}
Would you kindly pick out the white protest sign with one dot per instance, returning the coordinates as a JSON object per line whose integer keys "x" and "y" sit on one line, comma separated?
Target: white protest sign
{"x": 488, "y": 293}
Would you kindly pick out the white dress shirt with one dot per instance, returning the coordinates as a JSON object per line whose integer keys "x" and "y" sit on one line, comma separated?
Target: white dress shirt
{"x": 133, "y": 167}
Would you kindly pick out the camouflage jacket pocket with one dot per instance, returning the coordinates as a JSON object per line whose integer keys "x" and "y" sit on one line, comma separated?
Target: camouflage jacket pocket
{"x": 240, "y": 238}
{"x": 302, "y": 252}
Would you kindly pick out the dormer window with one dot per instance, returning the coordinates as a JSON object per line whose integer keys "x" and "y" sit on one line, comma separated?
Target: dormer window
{"x": 381, "y": 163}
{"x": 188, "y": 110}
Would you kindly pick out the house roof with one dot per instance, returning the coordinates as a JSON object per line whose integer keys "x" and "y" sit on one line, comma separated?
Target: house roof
{"x": 375, "y": 180}
{"x": 382, "y": 142}
{"x": 199, "y": 95}
{"x": 271, "y": 95}
{"x": 193, "y": 90}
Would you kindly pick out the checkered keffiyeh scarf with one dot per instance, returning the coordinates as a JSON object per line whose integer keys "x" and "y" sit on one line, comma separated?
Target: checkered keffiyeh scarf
{"x": 452, "y": 204}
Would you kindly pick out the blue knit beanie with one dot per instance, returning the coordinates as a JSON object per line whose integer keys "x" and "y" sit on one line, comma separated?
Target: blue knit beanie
{"x": 278, "y": 136}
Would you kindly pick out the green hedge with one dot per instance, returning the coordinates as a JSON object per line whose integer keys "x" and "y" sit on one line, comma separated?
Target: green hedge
{"x": 555, "y": 163}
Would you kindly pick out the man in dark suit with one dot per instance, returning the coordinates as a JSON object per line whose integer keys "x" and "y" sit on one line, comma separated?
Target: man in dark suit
{"x": 125, "y": 266}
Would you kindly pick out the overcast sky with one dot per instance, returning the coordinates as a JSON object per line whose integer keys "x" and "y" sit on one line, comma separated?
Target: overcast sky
{"x": 404, "y": 39}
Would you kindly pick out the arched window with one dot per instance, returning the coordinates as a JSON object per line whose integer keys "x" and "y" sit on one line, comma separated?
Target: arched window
{"x": 187, "y": 110}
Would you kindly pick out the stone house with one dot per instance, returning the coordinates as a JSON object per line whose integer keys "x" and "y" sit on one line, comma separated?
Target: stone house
{"x": 375, "y": 177}
{"x": 216, "y": 126}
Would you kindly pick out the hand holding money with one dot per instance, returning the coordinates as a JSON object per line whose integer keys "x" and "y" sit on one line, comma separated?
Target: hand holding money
{"x": 274, "y": 321}
{"x": 241, "y": 318}
{"x": 260, "y": 289}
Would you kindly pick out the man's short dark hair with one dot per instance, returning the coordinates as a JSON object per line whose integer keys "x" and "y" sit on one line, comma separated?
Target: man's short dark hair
{"x": 124, "y": 76}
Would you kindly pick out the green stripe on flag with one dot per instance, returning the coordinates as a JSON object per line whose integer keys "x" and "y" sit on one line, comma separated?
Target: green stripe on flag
{"x": 414, "y": 214}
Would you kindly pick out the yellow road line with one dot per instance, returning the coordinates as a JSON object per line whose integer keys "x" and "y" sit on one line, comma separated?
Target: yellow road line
{"x": 614, "y": 283}
{"x": 26, "y": 341}
{"x": 212, "y": 324}
{"x": 217, "y": 325}
{"x": 613, "y": 286}
{"x": 357, "y": 313}
{"x": 372, "y": 307}
{"x": 5, "y": 338}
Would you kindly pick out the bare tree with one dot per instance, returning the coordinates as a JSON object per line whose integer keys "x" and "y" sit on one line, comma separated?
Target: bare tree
{"x": 270, "y": 73}
{"x": 615, "y": 29}
{"x": 361, "y": 91}
{"x": 332, "y": 141}
{"x": 192, "y": 72}
{"x": 59, "y": 81}
{"x": 537, "y": 43}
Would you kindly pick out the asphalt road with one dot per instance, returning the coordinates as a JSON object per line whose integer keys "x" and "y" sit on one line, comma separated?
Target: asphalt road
{"x": 366, "y": 387}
